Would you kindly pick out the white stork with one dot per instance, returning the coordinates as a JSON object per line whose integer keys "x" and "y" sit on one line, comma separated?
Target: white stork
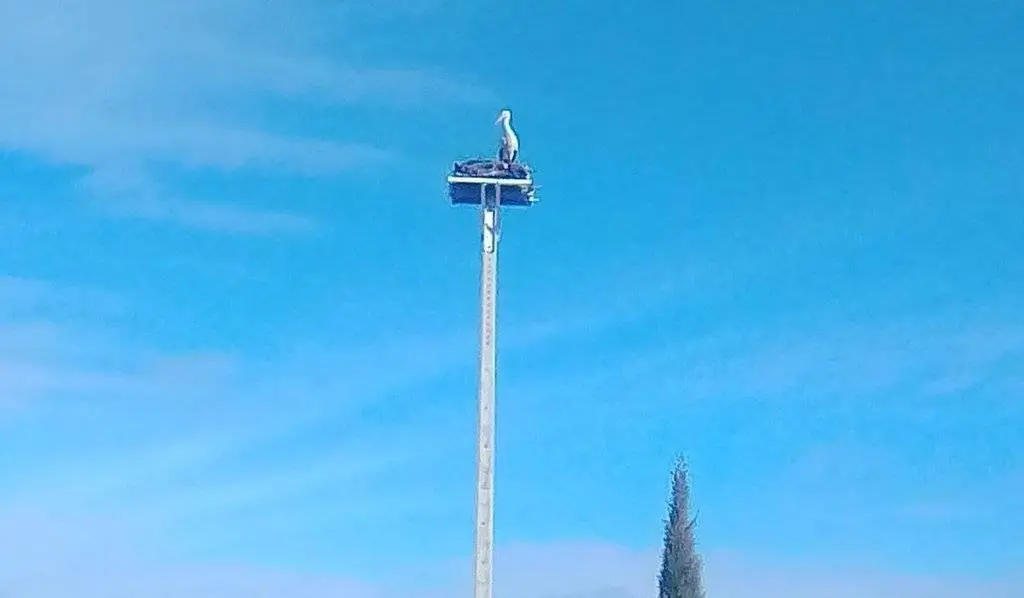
{"x": 509, "y": 150}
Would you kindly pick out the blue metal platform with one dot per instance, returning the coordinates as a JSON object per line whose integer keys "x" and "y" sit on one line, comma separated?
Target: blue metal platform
{"x": 472, "y": 181}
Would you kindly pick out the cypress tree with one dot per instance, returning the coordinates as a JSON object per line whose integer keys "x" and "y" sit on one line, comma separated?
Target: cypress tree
{"x": 680, "y": 564}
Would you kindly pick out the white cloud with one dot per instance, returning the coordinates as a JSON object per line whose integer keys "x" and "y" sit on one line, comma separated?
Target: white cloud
{"x": 23, "y": 298}
{"x": 203, "y": 410}
{"x": 731, "y": 576}
{"x": 49, "y": 556}
{"x": 46, "y": 555}
{"x": 44, "y": 351}
{"x": 61, "y": 340}
{"x": 118, "y": 87}
{"x": 207, "y": 216}
{"x": 933, "y": 355}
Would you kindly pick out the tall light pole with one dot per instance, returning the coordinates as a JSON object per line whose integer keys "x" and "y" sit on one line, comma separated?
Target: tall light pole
{"x": 490, "y": 185}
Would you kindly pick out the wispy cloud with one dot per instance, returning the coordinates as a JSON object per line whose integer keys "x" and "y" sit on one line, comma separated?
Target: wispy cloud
{"x": 58, "y": 556}
{"x": 208, "y": 216}
{"x": 741, "y": 576}
{"x": 166, "y": 440}
{"x": 42, "y": 349}
{"x": 27, "y": 298}
{"x": 836, "y": 483}
{"x": 51, "y": 347}
{"x": 119, "y": 88}
{"x": 208, "y": 412}
{"x": 246, "y": 465}
{"x": 930, "y": 355}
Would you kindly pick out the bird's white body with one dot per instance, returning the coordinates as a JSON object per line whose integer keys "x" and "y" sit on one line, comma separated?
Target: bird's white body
{"x": 509, "y": 151}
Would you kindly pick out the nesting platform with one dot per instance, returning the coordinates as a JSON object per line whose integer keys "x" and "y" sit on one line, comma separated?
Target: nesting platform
{"x": 474, "y": 181}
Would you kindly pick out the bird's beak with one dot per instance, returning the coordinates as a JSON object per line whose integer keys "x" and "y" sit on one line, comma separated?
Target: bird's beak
{"x": 499, "y": 120}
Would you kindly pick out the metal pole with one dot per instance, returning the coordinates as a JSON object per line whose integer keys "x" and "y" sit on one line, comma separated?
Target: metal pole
{"x": 484, "y": 539}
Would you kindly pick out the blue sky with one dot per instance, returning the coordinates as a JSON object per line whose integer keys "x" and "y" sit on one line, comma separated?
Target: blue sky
{"x": 237, "y": 316}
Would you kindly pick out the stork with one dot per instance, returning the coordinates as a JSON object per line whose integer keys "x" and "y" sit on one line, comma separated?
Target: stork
{"x": 509, "y": 150}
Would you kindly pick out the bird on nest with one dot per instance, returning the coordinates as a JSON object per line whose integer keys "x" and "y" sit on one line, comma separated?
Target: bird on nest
{"x": 508, "y": 151}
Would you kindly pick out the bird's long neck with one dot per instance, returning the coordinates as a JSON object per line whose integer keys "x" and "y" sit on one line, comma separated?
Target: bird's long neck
{"x": 507, "y": 126}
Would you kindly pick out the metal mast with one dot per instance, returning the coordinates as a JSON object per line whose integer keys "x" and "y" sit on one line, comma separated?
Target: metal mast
{"x": 484, "y": 538}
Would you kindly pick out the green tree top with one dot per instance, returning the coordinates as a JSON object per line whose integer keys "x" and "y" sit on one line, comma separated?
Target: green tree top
{"x": 680, "y": 564}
